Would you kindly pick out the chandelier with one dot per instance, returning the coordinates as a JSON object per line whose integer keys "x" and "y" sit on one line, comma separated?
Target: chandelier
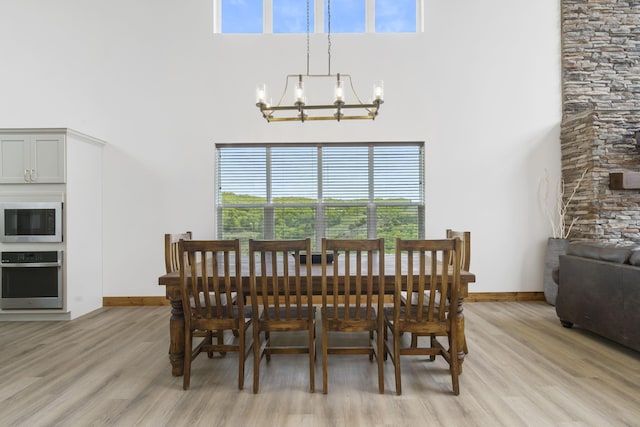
{"x": 300, "y": 110}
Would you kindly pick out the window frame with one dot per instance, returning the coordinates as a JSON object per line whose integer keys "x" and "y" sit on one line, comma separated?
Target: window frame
{"x": 318, "y": 24}
{"x": 321, "y": 206}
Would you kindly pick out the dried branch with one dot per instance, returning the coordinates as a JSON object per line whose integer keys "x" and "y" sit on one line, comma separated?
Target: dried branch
{"x": 558, "y": 215}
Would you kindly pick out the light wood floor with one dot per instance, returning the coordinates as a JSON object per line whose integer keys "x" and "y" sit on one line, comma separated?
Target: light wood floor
{"x": 110, "y": 368}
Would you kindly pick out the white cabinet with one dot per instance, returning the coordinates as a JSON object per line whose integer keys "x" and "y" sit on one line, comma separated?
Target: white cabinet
{"x": 32, "y": 158}
{"x": 68, "y": 168}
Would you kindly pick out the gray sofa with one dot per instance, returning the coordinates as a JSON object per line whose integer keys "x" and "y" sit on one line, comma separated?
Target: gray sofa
{"x": 599, "y": 290}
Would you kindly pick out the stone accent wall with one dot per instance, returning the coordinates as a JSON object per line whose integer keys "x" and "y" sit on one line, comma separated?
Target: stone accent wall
{"x": 601, "y": 142}
{"x": 601, "y": 54}
{"x": 601, "y": 113}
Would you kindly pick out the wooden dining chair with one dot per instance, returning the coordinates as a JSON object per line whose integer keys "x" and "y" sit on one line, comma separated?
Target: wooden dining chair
{"x": 465, "y": 263}
{"x": 212, "y": 273}
{"x": 281, "y": 299}
{"x": 465, "y": 251}
{"x": 419, "y": 263}
{"x": 172, "y": 259}
{"x": 172, "y": 262}
{"x": 465, "y": 259}
{"x": 354, "y": 304}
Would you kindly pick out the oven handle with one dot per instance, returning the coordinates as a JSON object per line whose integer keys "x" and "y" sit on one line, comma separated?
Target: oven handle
{"x": 35, "y": 264}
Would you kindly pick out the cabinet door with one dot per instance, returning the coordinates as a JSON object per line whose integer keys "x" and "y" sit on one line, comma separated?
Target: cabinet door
{"x": 47, "y": 159}
{"x": 15, "y": 163}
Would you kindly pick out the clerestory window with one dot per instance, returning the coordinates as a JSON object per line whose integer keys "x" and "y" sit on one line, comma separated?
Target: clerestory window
{"x": 290, "y": 16}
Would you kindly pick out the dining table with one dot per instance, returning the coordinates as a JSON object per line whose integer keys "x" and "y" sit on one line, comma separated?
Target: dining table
{"x": 171, "y": 282}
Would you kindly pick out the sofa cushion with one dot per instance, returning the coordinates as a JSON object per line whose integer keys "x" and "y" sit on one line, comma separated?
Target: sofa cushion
{"x": 583, "y": 249}
{"x": 600, "y": 251}
{"x": 634, "y": 259}
{"x": 615, "y": 254}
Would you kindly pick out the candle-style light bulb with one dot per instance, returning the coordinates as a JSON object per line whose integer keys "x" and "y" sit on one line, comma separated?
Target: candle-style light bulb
{"x": 339, "y": 91}
{"x": 378, "y": 91}
{"x": 261, "y": 93}
{"x": 299, "y": 92}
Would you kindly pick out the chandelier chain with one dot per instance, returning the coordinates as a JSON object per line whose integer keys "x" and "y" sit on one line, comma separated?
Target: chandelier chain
{"x": 308, "y": 50}
{"x": 329, "y": 34}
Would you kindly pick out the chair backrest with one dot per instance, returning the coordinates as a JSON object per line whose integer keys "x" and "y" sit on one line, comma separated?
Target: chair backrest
{"x": 465, "y": 250}
{"x": 361, "y": 264}
{"x": 279, "y": 279}
{"x": 171, "y": 255}
{"x": 420, "y": 271}
{"x": 211, "y": 277}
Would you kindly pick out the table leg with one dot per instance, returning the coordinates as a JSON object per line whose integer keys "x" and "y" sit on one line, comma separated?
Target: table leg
{"x": 176, "y": 334}
{"x": 461, "y": 340}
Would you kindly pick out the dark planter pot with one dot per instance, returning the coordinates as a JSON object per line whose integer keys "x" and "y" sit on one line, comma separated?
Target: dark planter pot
{"x": 555, "y": 248}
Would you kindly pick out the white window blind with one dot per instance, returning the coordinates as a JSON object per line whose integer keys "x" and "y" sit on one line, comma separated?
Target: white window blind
{"x": 272, "y": 191}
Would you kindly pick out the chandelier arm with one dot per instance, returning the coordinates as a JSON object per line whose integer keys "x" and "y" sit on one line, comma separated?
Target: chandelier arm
{"x": 317, "y": 118}
{"x": 321, "y": 107}
{"x": 357, "y": 97}
{"x": 284, "y": 92}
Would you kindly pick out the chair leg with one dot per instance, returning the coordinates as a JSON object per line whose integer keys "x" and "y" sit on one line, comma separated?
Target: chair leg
{"x": 256, "y": 356}
{"x": 209, "y": 340}
{"x": 454, "y": 366}
{"x": 380, "y": 359}
{"x": 241, "y": 358}
{"x": 371, "y": 344}
{"x": 220, "y": 337}
{"x": 433, "y": 345}
{"x": 386, "y": 339}
{"x": 396, "y": 359}
{"x": 186, "y": 378}
{"x": 414, "y": 340}
{"x": 324, "y": 359}
{"x": 312, "y": 357}
{"x": 267, "y": 338}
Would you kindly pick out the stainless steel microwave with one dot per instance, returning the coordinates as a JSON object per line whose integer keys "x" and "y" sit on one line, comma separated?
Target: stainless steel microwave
{"x": 30, "y": 222}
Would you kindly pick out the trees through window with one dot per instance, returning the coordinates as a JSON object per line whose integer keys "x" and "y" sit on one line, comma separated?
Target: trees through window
{"x": 291, "y": 191}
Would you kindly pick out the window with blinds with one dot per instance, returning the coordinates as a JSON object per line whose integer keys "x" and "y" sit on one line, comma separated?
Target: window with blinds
{"x": 351, "y": 191}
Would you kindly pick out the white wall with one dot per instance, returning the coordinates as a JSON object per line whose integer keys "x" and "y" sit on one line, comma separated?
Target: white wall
{"x": 481, "y": 86}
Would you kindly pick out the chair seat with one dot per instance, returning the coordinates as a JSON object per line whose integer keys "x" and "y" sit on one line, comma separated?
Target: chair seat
{"x": 248, "y": 314}
{"x": 329, "y": 312}
{"x": 212, "y": 297}
{"x": 413, "y": 310}
{"x": 414, "y": 298}
{"x": 293, "y": 314}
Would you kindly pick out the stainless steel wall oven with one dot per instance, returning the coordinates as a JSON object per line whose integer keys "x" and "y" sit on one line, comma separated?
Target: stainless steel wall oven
{"x": 31, "y": 280}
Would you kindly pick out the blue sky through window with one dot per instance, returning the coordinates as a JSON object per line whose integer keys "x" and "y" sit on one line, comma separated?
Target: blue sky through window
{"x": 242, "y": 16}
{"x": 347, "y": 16}
{"x": 290, "y": 16}
{"x": 395, "y": 16}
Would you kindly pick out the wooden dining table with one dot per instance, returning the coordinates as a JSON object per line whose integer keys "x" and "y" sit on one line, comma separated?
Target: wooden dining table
{"x": 171, "y": 282}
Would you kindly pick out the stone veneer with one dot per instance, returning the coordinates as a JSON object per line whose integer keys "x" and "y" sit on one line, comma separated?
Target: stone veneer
{"x": 601, "y": 113}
